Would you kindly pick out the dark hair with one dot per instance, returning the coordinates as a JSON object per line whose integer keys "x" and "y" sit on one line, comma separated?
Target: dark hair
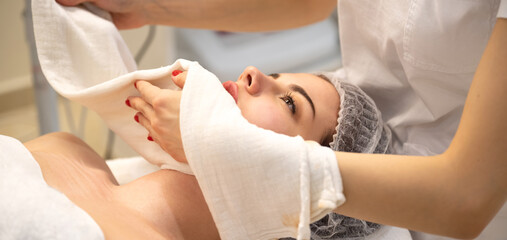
{"x": 328, "y": 137}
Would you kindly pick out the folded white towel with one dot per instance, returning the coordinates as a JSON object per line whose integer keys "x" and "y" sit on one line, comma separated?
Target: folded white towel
{"x": 273, "y": 193}
{"x": 85, "y": 59}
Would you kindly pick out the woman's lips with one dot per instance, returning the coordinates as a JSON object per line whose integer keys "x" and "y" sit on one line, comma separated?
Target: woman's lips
{"x": 232, "y": 88}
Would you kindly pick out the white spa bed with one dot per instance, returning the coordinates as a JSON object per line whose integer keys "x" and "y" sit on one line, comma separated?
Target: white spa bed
{"x": 126, "y": 170}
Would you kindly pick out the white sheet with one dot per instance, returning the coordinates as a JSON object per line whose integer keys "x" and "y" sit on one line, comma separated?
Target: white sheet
{"x": 29, "y": 208}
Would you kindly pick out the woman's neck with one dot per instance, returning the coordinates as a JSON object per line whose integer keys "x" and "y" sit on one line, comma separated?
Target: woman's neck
{"x": 172, "y": 203}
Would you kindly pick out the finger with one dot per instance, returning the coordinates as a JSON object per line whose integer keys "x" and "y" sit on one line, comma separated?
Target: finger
{"x": 148, "y": 91}
{"x": 145, "y": 122}
{"x": 71, "y": 2}
{"x": 128, "y": 20}
{"x": 142, "y": 106}
{"x": 179, "y": 77}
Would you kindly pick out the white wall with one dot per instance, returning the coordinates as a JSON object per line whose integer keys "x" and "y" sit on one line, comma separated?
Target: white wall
{"x": 14, "y": 55}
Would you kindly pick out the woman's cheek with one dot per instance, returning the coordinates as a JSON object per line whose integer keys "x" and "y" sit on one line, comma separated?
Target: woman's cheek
{"x": 266, "y": 117}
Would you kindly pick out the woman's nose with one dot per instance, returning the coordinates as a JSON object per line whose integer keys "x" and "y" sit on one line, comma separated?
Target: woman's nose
{"x": 256, "y": 80}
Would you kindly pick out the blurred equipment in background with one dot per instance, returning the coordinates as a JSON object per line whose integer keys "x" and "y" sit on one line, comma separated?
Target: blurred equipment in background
{"x": 46, "y": 98}
{"x": 312, "y": 48}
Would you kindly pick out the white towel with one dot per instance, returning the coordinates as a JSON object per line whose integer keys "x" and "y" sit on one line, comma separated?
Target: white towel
{"x": 274, "y": 193}
{"x": 85, "y": 59}
{"x": 29, "y": 208}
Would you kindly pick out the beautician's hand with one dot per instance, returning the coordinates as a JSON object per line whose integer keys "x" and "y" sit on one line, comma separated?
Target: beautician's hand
{"x": 159, "y": 112}
{"x": 126, "y": 13}
{"x": 228, "y": 15}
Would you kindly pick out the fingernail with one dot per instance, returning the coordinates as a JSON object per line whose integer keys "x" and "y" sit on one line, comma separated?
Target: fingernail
{"x": 150, "y": 138}
{"x": 136, "y": 118}
{"x": 135, "y": 84}
{"x": 127, "y": 102}
{"x": 176, "y": 72}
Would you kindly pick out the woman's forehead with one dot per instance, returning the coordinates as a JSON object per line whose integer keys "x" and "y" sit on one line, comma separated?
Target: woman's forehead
{"x": 309, "y": 82}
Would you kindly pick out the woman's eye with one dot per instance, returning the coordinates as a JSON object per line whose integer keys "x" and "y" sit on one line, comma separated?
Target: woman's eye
{"x": 287, "y": 98}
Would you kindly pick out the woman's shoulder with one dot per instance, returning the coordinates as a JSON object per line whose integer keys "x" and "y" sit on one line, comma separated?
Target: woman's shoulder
{"x": 70, "y": 165}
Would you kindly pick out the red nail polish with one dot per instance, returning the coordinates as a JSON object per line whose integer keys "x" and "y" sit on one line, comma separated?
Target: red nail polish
{"x": 136, "y": 118}
{"x": 176, "y": 72}
{"x": 127, "y": 102}
{"x": 150, "y": 138}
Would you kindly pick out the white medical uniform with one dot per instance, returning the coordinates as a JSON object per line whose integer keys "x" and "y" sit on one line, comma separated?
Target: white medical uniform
{"x": 416, "y": 59}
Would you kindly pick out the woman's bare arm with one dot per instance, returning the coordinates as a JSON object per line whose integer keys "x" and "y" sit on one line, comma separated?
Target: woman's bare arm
{"x": 227, "y": 15}
{"x": 456, "y": 193}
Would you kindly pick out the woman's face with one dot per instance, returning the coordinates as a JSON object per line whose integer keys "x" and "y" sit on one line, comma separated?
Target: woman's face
{"x": 288, "y": 103}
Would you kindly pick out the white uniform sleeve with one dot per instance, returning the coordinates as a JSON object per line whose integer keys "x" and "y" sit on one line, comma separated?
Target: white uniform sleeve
{"x": 502, "y": 11}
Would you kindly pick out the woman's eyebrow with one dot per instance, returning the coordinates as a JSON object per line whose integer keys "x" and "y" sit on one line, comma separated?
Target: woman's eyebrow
{"x": 300, "y": 90}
